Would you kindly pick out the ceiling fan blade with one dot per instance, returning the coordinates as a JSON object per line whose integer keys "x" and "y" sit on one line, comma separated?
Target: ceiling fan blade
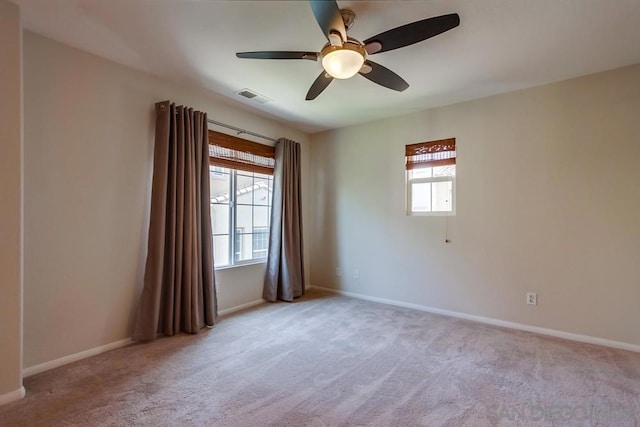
{"x": 319, "y": 85}
{"x": 384, "y": 77}
{"x": 328, "y": 15}
{"x": 274, "y": 54}
{"x": 411, "y": 33}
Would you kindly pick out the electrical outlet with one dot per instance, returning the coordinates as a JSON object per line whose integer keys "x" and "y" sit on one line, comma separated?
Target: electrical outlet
{"x": 338, "y": 273}
{"x": 532, "y": 298}
{"x": 356, "y": 274}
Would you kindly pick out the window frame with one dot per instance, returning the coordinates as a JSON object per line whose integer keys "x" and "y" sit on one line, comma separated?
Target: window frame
{"x": 424, "y": 180}
{"x": 233, "y": 234}
{"x": 430, "y": 155}
{"x": 240, "y": 156}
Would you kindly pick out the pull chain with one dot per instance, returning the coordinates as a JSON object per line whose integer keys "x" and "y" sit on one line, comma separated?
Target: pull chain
{"x": 446, "y": 230}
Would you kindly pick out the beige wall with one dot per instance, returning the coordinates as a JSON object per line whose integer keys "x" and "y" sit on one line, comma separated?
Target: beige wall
{"x": 88, "y": 159}
{"x": 548, "y": 201}
{"x": 10, "y": 200}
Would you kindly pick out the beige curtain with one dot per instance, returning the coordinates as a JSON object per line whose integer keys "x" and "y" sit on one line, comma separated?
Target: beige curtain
{"x": 179, "y": 285}
{"x": 284, "y": 278}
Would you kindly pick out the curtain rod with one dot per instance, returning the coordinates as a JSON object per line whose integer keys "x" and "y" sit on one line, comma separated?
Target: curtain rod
{"x": 240, "y": 130}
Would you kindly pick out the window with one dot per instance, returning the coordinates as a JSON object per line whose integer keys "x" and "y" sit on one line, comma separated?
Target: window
{"x": 431, "y": 177}
{"x": 240, "y": 223}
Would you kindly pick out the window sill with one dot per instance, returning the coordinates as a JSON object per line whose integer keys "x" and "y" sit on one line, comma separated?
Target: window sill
{"x": 244, "y": 264}
{"x": 431, "y": 214}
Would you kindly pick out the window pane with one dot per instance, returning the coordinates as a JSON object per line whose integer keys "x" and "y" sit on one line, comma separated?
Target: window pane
{"x": 220, "y": 251}
{"x": 421, "y": 197}
{"x": 449, "y": 170}
{"x": 420, "y": 173}
{"x": 260, "y": 217}
{"x": 217, "y": 170}
{"x": 260, "y": 242}
{"x": 219, "y": 183}
{"x": 220, "y": 218}
{"x": 244, "y": 218}
{"x": 244, "y": 189}
{"x": 244, "y": 248}
{"x": 442, "y": 196}
{"x": 261, "y": 191}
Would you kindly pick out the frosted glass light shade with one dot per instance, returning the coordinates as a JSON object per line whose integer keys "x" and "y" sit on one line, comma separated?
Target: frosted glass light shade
{"x": 342, "y": 63}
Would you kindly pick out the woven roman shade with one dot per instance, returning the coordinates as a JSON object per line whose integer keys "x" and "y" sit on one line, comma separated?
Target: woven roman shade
{"x": 431, "y": 153}
{"x": 236, "y": 153}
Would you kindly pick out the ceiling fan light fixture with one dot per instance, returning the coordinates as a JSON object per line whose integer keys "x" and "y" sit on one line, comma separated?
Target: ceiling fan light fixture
{"x": 342, "y": 62}
{"x": 344, "y": 56}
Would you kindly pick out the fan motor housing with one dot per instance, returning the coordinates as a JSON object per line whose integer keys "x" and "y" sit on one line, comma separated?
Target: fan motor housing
{"x": 350, "y": 44}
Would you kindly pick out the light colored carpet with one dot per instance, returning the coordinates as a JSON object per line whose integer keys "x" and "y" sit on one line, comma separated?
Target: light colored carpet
{"x": 328, "y": 360}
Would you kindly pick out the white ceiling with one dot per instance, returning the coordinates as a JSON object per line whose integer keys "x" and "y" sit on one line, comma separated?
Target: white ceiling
{"x": 500, "y": 46}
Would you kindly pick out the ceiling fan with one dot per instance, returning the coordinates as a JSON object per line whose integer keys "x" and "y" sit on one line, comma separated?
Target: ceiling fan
{"x": 343, "y": 56}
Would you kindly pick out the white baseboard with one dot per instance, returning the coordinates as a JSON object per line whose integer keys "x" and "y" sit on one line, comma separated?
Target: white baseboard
{"x": 32, "y": 370}
{"x": 12, "y": 396}
{"x": 240, "y": 307}
{"x": 491, "y": 321}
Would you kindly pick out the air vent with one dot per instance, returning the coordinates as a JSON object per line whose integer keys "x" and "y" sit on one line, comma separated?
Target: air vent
{"x": 247, "y": 94}
{"x": 253, "y": 96}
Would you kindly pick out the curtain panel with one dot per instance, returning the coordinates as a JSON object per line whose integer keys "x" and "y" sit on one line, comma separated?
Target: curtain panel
{"x": 284, "y": 277}
{"x": 179, "y": 284}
